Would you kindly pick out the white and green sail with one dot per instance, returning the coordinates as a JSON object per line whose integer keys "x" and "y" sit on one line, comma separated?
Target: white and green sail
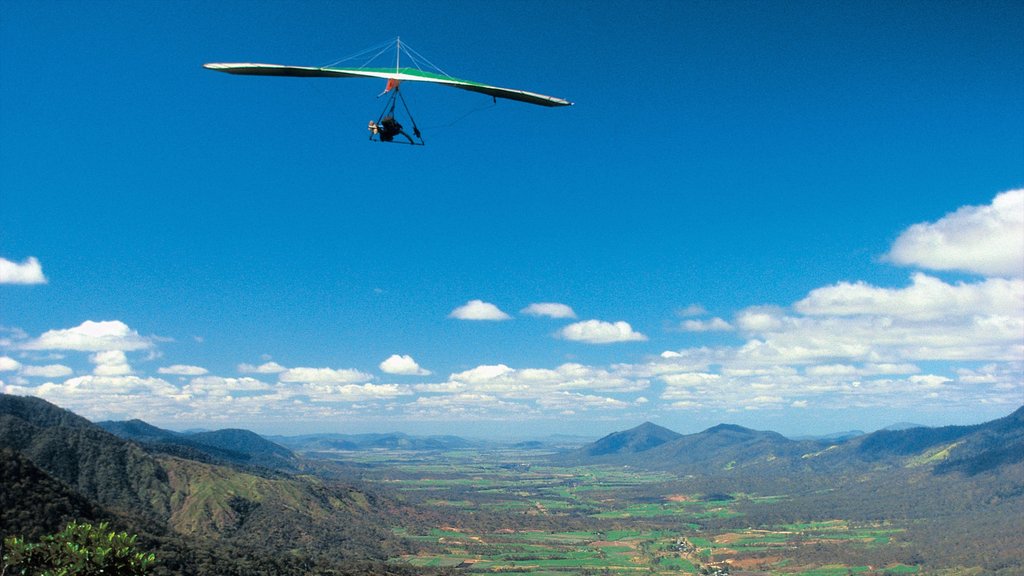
{"x": 392, "y": 75}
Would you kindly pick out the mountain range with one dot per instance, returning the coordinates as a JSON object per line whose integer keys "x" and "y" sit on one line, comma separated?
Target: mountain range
{"x": 233, "y": 502}
{"x": 731, "y": 450}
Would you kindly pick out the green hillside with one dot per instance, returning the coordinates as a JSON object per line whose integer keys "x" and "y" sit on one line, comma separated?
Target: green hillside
{"x": 203, "y": 518}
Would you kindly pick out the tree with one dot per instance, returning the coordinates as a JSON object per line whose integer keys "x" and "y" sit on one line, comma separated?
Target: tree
{"x": 79, "y": 550}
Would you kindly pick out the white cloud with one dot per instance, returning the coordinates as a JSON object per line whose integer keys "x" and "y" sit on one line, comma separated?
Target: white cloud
{"x": 886, "y": 327}
{"x": 549, "y": 309}
{"x": 713, "y": 325}
{"x": 481, "y": 374}
{"x": 402, "y": 364}
{"x": 265, "y": 368}
{"x": 207, "y": 385}
{"x": 883, "y": 368}
{"x": 50, "y": 371}
{"x": 559, "y": 401}
{"x": 535, "y": 383}
{"x": 324, "y": 376}
{"x": 91, "y": 337}
{"x": 987, "y": 240}
{"x": 599, "y": 332}
{"x": 100, "y": 390}
{"x": 478, "y": 310}
{"x": 182, "y": 370}
{"x": 28, "y": 272}
{"x": 927, "y": 298}
{"x": 760, "y": 318}
{"x": 8, "y": 364}
{"x": 324, "y": 392}
{"x": 110, "y": 363}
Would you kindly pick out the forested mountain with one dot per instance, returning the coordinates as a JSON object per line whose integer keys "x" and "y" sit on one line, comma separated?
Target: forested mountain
{"x": 33, "y": 503}
{"x": 204, "y": 518}
{"x": 105, "y": 469}
{"x": 233, "y": 446}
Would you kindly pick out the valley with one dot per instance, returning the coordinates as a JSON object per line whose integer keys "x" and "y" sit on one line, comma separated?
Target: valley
{"x": 728, "y": 500}
{"x": 511, "y": 511}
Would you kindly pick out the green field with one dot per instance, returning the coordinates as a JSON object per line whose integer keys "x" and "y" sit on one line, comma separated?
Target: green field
{"x": 512, "y": 512}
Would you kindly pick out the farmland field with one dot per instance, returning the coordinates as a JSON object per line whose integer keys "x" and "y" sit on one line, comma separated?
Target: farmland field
{"x": 512, "y": 511}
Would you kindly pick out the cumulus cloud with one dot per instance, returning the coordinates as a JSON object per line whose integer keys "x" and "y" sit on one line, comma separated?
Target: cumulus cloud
{"x": 91, "y": 336}
{"x": 265, "y": 368}
{"x": 49, "y": 371}
{"x": 28, "y": 272}
{"x": 986, "y": 240}
{"x": 713, "y": 325}
{"x": 96, "y": 391}
{"x": 110, "y": 363}
{"x": 928, "y": 320}
{"x": 8, "y": 364}
{"x": 549, "y": 309}
{"x": 478, "y": 310}
{"x": 562, "y": 401}
{"x": 760, "y": 318}
{"x": 599, "y": 332}
{"x": 403, "y": 365}
{"x": 182, "y": 370}
{"x": 535, "y": 383}
{"x": 926, "y": 298}
{"x": 209, "y": 385}
{"x": 326, "y": 392}
{"x": 324, "y": 376}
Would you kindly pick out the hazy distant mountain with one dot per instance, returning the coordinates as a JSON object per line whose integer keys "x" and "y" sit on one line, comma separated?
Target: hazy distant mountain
{"x": 639, "y": 439}
{"x": 903, "y": 426}
{"x": 831, "y": 437}
{"x": 720, "y": 448}
{"x": 727, "y": 447}
{"x": 384, "y": 441}
{"x": 730, "y": 450}
{"x": 529, "y": 445}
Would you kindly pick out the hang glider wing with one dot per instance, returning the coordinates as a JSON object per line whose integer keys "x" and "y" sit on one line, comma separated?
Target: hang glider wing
{"x": 402, "y": 74}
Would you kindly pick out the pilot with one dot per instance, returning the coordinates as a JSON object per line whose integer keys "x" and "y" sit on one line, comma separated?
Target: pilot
{"x": 387, "y": 129}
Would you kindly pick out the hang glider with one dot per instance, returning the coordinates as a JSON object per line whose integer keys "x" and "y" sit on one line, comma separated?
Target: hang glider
{"x": 393, "y": 76}
{"x": 388, "y": 126}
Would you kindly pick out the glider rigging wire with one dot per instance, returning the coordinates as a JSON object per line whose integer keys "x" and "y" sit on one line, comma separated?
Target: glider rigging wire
{"x": 394, "y": 77}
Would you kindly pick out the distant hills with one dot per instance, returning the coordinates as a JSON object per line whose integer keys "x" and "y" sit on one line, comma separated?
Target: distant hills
{"x": 639, "y": 439}
{"x": 730, "y": 450}
{"x": 384, "y": 441}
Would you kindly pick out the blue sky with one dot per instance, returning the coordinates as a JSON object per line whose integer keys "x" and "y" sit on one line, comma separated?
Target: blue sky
{"x": 800, "y": 216}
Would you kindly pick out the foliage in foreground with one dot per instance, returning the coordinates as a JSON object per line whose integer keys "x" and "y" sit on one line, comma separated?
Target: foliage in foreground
{"x": 78, "y": 550}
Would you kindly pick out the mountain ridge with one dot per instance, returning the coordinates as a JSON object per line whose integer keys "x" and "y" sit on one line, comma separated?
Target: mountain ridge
{"x": 729, "y": 449}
